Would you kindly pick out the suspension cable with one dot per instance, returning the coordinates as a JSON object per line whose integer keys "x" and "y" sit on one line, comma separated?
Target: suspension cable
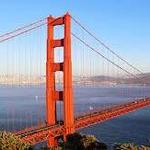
{"x": 22, "y": 32}
{"x": 15, "y": 34}
{"x": 96, "y": 51}
{"x": 104, "y": 45}
{"x": 21, "y": 28}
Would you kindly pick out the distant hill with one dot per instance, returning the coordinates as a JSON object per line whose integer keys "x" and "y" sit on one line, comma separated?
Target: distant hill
{"x": 104, "y": 80}
{"x": 141, "y": 79}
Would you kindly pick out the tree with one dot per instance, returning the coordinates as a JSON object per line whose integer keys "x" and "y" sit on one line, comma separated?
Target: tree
{"x": 90, "y": 142}
{"x": 77, "y": 141}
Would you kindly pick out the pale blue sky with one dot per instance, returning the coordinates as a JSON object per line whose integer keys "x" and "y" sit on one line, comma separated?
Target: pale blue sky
{"x": 123, "y": 24}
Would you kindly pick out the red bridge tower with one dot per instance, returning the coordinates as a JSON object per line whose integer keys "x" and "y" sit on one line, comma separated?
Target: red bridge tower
{"x": 66, "y": 67}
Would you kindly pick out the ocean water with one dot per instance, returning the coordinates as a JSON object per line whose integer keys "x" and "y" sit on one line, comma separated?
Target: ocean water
{"x": 133, "y": 127}
{"x": 22, "y": 107}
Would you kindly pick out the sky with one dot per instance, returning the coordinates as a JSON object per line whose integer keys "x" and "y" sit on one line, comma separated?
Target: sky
{"x": 123, "y": 24}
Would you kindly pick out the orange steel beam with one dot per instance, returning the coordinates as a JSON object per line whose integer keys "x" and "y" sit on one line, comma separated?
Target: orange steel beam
{"x": 50, "y": 79}
{"x": 68, "y": 92}
{"x": 37, "y": 135}
{"x": 66, "y": 96}
{"x": 98, "y": 117}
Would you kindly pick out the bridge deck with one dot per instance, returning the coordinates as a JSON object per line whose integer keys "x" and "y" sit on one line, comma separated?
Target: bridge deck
{"x": 36, "y": 135}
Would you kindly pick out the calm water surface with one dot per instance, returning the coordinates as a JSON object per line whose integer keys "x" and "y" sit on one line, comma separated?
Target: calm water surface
{"x": 22, "y": 107}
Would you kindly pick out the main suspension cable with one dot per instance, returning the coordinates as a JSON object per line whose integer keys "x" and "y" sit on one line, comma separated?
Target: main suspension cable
{"x": 22, "y": 32}
{"x": 87, "y": 45}
{"x": 21, "y": 28}
{"x": 104, "y": 45}
{"x": 25, "y": 29}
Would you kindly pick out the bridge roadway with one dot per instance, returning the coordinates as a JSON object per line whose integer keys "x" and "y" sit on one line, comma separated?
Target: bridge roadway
{"x": 39, "y": 134}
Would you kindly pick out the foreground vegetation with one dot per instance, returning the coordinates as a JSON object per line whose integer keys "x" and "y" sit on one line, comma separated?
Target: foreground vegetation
{"x": 130, "y": 146}
{"x": 76, "y": 141}
{"x": 80, "y": 142}
{"x": 89, "y": 142}
{"x": 8, "y": 141}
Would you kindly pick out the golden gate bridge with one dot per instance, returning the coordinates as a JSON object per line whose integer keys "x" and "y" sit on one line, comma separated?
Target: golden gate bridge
{"x": 60, "y": 55}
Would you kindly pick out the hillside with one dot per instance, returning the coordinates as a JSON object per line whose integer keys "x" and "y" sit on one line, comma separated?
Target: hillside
{"x": 141, "y": 79}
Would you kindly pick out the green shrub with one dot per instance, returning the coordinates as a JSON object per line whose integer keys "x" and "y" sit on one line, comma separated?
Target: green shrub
{"x": 130, "y": 146}
{"x": 144, "y": 148}
{"x": 73, "y": 142}
{"x": 9, "y": 141}
{"x": 77, "y": 141}
{"x": 88, "y": 140}
{"x": 126, "y": 146}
